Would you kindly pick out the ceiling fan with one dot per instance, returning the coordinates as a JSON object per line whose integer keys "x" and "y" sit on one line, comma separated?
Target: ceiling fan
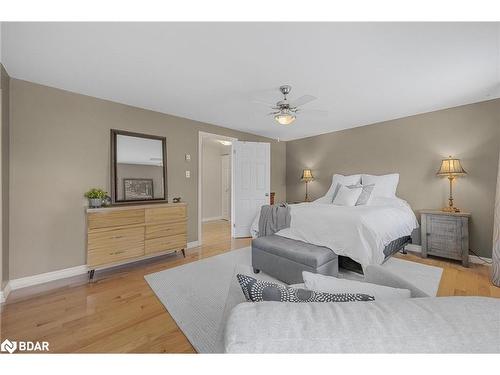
{"x": 285, "y": 111}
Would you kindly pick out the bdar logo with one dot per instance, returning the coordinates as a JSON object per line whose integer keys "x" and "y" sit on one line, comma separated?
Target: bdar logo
{"x": 8, "y": 346}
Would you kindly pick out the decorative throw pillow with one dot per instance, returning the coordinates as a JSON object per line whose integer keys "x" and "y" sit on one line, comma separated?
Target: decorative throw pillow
{"x": 259, "y": 291}
{"x": 337, "y": 180}
{"x": 330, "y": 284}
{"x": 365, "y": 195}
{"x": 347, "y": 196}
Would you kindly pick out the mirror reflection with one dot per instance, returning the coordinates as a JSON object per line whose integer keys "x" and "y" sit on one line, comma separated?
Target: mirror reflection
{"x": 139, "y": 168}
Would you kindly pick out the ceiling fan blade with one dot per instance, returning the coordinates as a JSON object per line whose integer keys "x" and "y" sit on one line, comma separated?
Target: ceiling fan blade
{"x": 304, "y": 99}
{"x": 260, "y": 102}
{"x": 313, "y": 112}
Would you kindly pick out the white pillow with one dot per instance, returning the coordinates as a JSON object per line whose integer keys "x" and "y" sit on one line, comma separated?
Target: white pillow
{"x": 366, "y": 194}
{"x": 385, "y": 186}
{"x": 347, "y": 196}
{"x": 336, "y": 180}
{"x": 330, "y": 284}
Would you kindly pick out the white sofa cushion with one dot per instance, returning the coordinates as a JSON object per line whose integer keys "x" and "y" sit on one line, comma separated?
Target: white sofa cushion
{"x": 330, "y": 284}
{"x": 410, "y": 325}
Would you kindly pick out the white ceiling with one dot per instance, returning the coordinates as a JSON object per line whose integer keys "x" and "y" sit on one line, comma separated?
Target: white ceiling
{"x": 361, "y": 72}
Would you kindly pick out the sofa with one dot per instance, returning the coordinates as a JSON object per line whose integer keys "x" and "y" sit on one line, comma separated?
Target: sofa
{"x": 420, "y": 324}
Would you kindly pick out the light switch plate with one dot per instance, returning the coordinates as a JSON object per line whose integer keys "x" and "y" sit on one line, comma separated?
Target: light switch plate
{"x": 188, "y": 174}
{"x": 188, "y": 157}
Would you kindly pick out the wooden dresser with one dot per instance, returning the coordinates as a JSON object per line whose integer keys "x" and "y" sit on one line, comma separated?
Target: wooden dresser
{"x": 445, "y": 234}
{"x": 122, "y": 234}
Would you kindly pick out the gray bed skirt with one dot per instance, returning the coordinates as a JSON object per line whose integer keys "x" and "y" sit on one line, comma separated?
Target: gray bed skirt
{"x": 392, "y": 248}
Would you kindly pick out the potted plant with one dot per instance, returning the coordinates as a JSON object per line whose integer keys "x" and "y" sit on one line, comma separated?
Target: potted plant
{"x": 95, "y": 197}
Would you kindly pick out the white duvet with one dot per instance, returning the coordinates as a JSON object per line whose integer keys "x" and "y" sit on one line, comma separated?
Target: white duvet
{"x": 359, "y": 232}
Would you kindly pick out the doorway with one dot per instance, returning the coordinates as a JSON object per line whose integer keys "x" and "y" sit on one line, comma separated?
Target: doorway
{"x": 214, "y": 188}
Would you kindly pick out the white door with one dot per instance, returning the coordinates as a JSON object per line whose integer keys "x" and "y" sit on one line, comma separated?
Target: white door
{"x": 226, "y": 187}
{"x": 251, "y": 173}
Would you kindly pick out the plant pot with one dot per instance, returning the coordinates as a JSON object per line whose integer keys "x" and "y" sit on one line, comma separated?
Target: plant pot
{"x": 95, "y": 203}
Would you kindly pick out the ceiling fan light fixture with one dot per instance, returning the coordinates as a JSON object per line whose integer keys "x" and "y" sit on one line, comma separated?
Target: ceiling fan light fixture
{"x": 284, "y": 118}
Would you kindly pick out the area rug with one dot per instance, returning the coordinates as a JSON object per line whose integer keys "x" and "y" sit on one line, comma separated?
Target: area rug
{"x": 195, "y": 293}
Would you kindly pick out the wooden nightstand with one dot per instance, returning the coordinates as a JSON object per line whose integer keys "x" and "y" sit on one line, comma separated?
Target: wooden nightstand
{"x": 445, "y": 234}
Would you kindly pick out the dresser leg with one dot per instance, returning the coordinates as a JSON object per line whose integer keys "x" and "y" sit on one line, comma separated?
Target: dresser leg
{"x": 91, "y": 275}
{"x": 183, "y": 253}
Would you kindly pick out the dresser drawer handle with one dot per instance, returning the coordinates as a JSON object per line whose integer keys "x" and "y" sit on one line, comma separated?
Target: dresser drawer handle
{"x": 117, "y": 252}
{"x": 116, "y": 237}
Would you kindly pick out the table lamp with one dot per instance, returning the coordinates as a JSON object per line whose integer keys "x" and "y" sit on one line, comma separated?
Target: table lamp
{"x": 451, "y": 168}
{"x": 307, "y": 177}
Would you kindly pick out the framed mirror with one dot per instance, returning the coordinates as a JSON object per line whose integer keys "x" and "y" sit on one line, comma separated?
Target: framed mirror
{"x": 138, "y": 167}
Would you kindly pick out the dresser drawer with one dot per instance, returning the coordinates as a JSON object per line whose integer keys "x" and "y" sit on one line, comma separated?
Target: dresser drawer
{"x": 155, "y": 245}
{"x": 165, "y": 214}
{"x": 115, "y": 245}
{"x": 164, "y": 230}
{"x": 117, "y": 218}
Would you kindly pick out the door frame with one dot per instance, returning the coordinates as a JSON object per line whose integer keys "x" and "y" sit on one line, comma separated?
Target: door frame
{"x": 229, "y": 158}
{"x": 204, "y": 135}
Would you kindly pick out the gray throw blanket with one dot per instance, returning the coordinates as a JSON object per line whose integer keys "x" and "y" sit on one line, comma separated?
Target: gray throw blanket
{"x": 273, "y": 219}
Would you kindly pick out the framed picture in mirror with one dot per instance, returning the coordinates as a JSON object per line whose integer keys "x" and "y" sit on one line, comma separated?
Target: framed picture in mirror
{"x": 138, "y": 188}
{"x": 138, "y": 167}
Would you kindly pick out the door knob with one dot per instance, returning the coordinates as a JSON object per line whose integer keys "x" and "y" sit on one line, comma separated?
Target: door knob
{"x": 267, "y": 194}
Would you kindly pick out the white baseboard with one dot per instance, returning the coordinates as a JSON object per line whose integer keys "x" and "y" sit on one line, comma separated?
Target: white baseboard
{"x": 472, "y": 258}
{"x": 5, "y": 293}
{"x": 24, "y": 282}
{"x": 414, "y": 248}
{"x": 212, "y": 218}
{"x": 476, "y": 259}
{"x": 192, "y": 244}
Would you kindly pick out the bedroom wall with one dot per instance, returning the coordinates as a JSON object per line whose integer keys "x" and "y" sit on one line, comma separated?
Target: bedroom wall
{"x": 413, "y": 147}
{"x": 60, "y": 148}
{"x": 4, "y": 152}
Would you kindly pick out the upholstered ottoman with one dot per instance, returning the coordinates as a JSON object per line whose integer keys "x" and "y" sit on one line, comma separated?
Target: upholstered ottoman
{"x": 285, "y": 259}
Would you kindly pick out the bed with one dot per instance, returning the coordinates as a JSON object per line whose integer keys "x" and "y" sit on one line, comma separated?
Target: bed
{"x": 360, "y": 234}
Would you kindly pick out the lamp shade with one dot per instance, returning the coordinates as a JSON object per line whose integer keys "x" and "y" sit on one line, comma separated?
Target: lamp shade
{"x": 451, "y": 167}
{"x": 307, "y": 175}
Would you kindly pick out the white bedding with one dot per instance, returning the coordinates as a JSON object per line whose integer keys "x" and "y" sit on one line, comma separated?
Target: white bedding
{"x": 359, "y": 232}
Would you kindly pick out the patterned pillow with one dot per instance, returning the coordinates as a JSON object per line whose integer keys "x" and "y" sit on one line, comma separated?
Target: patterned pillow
{"x": 366, "y": 193}
{"x": 258, "y": 291}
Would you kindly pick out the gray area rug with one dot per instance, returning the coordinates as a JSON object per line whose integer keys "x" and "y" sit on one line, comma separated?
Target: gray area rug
{"x": 195, "y": 293}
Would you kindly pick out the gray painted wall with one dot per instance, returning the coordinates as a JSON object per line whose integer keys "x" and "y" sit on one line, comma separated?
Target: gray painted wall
{"x": 5, "y": 126}
{"x": 60, "y": 148}
{"x": 413, "y": 147}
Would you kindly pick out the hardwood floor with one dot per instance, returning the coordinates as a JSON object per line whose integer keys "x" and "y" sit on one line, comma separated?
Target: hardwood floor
{"x": 119, "y": 312}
